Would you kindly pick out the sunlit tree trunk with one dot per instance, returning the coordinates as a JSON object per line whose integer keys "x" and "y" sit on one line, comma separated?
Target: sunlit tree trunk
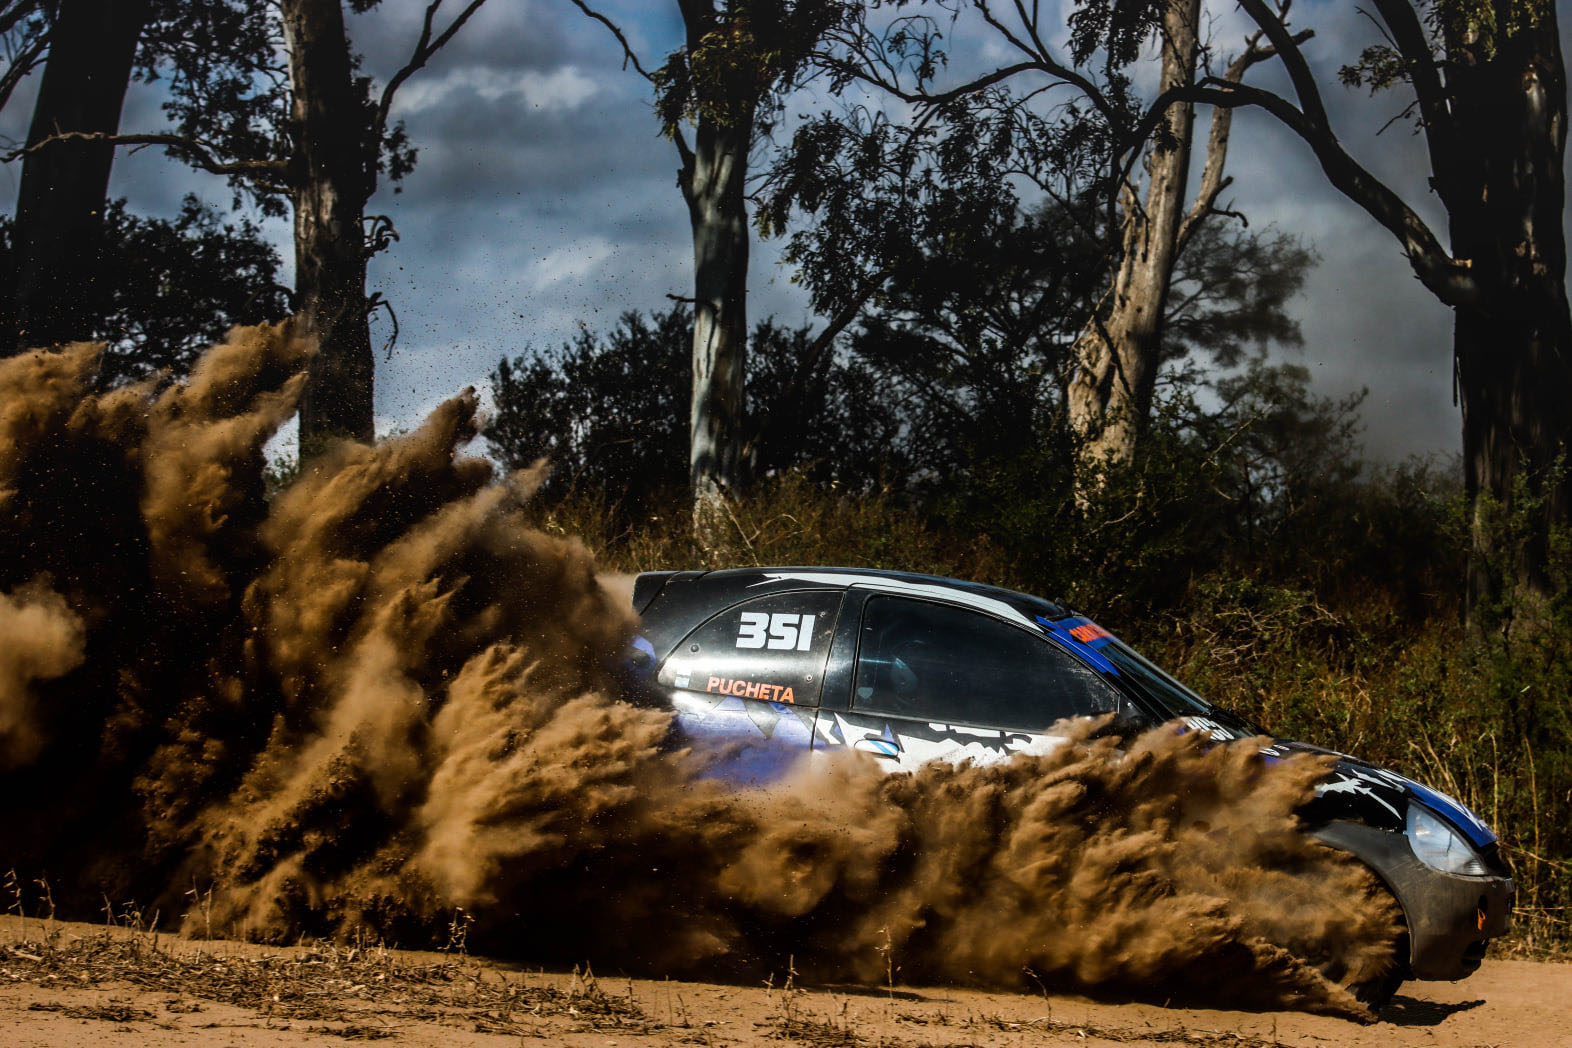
{"x": 1117, "y": 354}
{"x": 713, "y": 188}
{"x": 64, "y": 186}
{"x": 713, "y": 178}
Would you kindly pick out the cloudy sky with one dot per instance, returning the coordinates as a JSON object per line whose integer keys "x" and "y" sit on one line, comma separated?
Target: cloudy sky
{"x": 545, "y": 199}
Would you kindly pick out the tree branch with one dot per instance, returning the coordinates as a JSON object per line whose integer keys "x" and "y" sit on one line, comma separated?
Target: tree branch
{"x": 199, "y": 154}
{"x": 425, "y": 47}
{"x": 628, "y": 55}
{"x": 1408, "y": 37}
{"x": 1447, "y": 278}
{"x": 926, "y": 98}
{"x": 1212, "y": 180}
{"x": 24, "y": 63}
{"x": 1310, "y": 105}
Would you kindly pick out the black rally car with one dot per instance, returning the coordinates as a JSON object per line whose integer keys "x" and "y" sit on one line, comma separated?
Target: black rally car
{"x": 915, "y": 668}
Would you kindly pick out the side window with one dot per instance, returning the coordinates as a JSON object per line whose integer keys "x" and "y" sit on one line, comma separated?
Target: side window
{"x": 772, "y": 647}
{"x": 945, "y": 664}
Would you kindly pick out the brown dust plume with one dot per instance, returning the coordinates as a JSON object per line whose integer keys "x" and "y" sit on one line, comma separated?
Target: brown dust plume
{"x": 380, "y": 696}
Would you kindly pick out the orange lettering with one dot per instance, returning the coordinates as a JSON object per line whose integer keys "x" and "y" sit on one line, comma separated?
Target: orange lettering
{"x": 755, "y": 690}
{"x": 788, "y": 696}
{"x": 715, "y": 685}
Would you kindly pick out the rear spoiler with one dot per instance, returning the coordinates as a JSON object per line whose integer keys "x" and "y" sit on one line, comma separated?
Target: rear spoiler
{"x": 647, "y": 586}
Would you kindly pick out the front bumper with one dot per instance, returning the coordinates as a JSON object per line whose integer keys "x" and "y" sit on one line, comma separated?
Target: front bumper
{"x": 1450, "y": 918}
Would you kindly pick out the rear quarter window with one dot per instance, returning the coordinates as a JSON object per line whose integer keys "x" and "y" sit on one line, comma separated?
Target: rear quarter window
{"x": 772, "y": 648}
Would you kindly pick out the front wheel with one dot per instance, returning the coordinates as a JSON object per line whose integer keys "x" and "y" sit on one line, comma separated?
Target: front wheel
{"x": 1375, "y": 993}
{"x": 1373, "y": 985}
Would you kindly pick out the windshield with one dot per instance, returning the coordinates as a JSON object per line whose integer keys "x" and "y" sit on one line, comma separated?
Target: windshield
{"x": 1179, "y": 700}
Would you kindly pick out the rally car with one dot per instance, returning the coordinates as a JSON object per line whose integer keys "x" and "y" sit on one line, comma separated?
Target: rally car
{"x": 914, "y": 668}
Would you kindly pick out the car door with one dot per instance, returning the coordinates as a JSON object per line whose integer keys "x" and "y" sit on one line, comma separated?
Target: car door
{"x": 745, "y": 684}
{"x": 936, "y": 681}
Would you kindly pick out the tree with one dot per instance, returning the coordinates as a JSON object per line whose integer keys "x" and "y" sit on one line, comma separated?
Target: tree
{"x": 309, "y": 133}
{"x": 24, "y": 41}
{"x": 180, "y": 284}
{"x": 65, "y": 177}
{"x": 1489, "y": 95}
{"x": 606, "y": 410}
{"x": 1120, "y": 348}
{"x": 739, "y": 57}
{"x": 1078, "y": 152}
{"x": 339, "y": 143}
{"x": 978, "y": 354}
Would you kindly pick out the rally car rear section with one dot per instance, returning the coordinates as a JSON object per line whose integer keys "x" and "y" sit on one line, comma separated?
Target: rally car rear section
{"x": 770, "y": 663}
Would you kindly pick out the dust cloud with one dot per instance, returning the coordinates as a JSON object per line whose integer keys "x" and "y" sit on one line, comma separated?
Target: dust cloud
{"x": 380, "y": 702}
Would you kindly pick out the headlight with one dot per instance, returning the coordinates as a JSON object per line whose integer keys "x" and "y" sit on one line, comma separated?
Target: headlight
{"x": 1439, "y": 846}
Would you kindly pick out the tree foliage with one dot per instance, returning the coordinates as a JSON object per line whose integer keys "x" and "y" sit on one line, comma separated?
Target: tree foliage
{"x": 223, "y": 66}
{"x": 608, "y": 410}
{"x": 179, "y": 285}
{"x": 744, "y": 58}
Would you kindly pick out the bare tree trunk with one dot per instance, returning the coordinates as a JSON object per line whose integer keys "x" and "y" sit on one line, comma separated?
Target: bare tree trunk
{"x": 1514, "y": 345}
{"x": 64, "y": 186}
{"x": 1110, "y": 395}
{"x": 331, "y": 181}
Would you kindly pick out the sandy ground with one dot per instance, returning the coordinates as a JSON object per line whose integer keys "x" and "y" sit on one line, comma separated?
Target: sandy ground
{"x": 82, "y": 985}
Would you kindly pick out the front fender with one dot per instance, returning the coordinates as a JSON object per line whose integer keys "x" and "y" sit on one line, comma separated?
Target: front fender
{"x": 1450, "y": 918}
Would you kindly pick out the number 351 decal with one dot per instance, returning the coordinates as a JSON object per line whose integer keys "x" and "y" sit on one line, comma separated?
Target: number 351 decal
{"x": 781, "y": 631}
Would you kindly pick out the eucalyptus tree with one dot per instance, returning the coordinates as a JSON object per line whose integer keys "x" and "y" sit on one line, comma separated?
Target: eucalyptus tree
{"x": 1121, "y": 346}
{"x": 172, "y": 287}
{"x": 724, "y": 85}
{"x": 607, "y": 410}
{"x": 1120, "y": 164}
{"x": 1486, "y": 87}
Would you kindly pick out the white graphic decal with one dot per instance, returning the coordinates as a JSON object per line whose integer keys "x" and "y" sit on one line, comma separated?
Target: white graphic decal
{"x": 951, "y": 743}
{"x": 1347, "y": 784}
{"x": 782, "y": 631}
{"x": 750, "y": 634}
{"x": 1210, "y": 728}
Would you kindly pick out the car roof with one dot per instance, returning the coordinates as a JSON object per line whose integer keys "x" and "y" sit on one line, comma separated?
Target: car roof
{"x": 912, "y": 583}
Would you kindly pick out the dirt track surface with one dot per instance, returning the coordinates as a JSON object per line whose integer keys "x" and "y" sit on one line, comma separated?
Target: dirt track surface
{"x": 74, "y": 984}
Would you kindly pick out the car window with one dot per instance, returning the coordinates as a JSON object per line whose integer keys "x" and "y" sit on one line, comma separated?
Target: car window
{"x": 941, "y": 663}
{"x": 772, "y": 647}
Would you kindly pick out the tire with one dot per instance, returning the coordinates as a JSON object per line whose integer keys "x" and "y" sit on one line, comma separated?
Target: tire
{"x": 1376, "y": 991}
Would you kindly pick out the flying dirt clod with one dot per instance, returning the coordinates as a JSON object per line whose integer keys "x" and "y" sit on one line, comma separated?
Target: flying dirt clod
{"x": 381, "y": 695}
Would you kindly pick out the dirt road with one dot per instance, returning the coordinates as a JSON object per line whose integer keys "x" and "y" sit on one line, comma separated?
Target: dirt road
{"x": 81, "y": 985}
